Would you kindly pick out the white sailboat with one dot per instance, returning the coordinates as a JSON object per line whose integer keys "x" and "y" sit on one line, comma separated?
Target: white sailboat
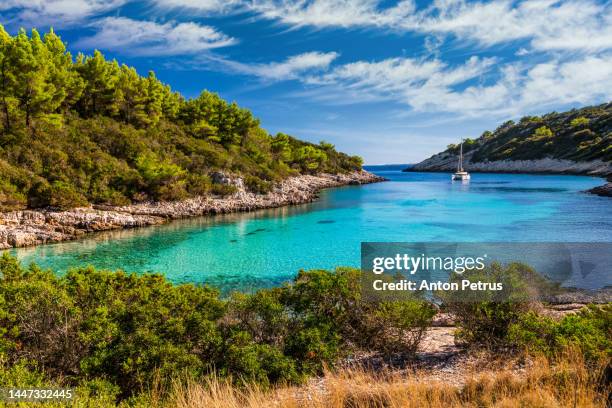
{"x": 461, "y": 174}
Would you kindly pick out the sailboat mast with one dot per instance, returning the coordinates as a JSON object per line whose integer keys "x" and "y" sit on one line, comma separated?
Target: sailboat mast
{"x": 460, "y": 164}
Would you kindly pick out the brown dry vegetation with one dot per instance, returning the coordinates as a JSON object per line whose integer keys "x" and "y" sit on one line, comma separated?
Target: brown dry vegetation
{"x": 568, "y": 382}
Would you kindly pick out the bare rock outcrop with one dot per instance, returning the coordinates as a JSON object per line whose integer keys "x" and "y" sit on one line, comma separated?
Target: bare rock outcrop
{"x": 604, "y": 191}
{"x": 33, "y": 227}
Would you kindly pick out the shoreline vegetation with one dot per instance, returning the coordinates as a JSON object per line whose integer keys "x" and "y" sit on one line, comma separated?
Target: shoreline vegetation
{"x": 127, "y": 340}
{"x": 578, "y": 142}
{"x": 41, "y": 226}
{"x": 90, "y": 131}
{"x": 87, "y": 144}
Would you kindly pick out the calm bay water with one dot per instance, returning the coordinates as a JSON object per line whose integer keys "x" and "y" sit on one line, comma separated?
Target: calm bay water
{"x": 242, "y": 251}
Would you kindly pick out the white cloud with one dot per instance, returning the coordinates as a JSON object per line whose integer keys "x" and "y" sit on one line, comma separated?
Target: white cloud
{"x": 576, "y": 25}
{"x": 535, "y": 88}
{"x": 294, "y": 67}
{"x": 319, "y": 13}
{"x": 478, "y": 87}
{"x": 135, "y": 37}
{"x": 333, "y": 13}
{"x": 56, "y": 12}
{"x": 422, "y": 84}
{"x": 202, "y": 6}
{"x": 548, "y": 24}
{"x": 583, "y": 81}
{"x": 522, "y": 52}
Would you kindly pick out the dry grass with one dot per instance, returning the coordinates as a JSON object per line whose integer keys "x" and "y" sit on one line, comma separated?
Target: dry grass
{"x": 566, "y": 383}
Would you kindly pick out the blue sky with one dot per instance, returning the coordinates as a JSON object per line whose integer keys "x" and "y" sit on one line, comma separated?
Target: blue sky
{"x": 392, "y": 81}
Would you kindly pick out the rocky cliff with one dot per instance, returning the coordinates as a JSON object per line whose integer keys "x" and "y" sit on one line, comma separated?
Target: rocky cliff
{"x": 33, "y": 227}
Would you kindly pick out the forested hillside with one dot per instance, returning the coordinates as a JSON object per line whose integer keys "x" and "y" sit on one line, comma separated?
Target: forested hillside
{"x": 580, "y": 135}
{"x": 88, "y": 130}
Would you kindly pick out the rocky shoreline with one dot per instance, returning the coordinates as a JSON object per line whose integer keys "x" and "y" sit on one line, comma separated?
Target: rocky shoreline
{"x": 447, "y": 162}
{"x": 35, "y": 227}
{"x": 603, "y": 191}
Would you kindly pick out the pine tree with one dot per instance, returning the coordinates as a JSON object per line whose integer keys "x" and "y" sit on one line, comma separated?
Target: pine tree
{"x": 131, "y": 96}
{"x": 68, "y": 83}
{"x": 171, "y": 103}
{"x": 281, "y": 147}
{"x": 100, "y": 79}
{"x": 155, "y": 99}
{"x": 201, "y": 115}
{"x": 30, "y": 61}
{"x": 7, "y": 79}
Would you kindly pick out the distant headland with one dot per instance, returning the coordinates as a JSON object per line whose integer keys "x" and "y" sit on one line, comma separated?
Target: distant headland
{"x": 578, "y": 141}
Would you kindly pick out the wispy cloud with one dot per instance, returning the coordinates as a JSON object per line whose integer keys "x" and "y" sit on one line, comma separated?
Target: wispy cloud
{"x": 148, "y": 38}
{"x": 547, "y": 24}
{"x": 296, "y": 67}
{"x": 55, "y": 12}
{"x": 200, "y": 6}
{"x": 423, "y": 84}
{"x": 293, "y": 67}
{"x": 333, "y": 13}
{"x": 433, "y": 86}
{"x": 565, "y": 48}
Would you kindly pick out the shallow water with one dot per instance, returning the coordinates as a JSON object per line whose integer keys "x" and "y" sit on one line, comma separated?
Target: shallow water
{"x": 263, "y": 248}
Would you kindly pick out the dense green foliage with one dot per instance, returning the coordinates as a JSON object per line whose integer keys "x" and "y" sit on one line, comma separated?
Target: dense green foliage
{"x": 131, "y": 331}
{"x": 580, "y": 134}
{"x": 484, "y": 317}
{"x": 511, "y": 318}
{"x": 590, "y": 330}
{"x": 116, "y": 336}
{"x": 88, "y": 130}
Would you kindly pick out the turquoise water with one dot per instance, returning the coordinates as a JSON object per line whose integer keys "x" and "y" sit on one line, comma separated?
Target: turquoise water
{"x": 242, "y": 251}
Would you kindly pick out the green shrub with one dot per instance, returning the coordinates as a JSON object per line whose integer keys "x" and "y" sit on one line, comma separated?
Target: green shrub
{"x": 542, "y": 132}
{"x": 96, "y": 392}
{"x": 122, "y": 333}
{"x": 108, "y": 325}
{"x": 590, "y": 330}
{"x": 379, "y": 325}
{"x": 10, "y": 197}
{"x": 400, "y": 325}
{"x": 260, "y": 363}
{"x": 580, "y": 122}
{"x": 530, "y": 119}
{"x": 313, "y": 346}
{"x": 257, "y": 185}
{"x": 223, "y": 189}
{"x": 20, "y": 374}
{"x": 198, "y": 184}
{"x": 59, "y": 195}
{"x": 484, "y": 317}
{"x": 263, "y": 315}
